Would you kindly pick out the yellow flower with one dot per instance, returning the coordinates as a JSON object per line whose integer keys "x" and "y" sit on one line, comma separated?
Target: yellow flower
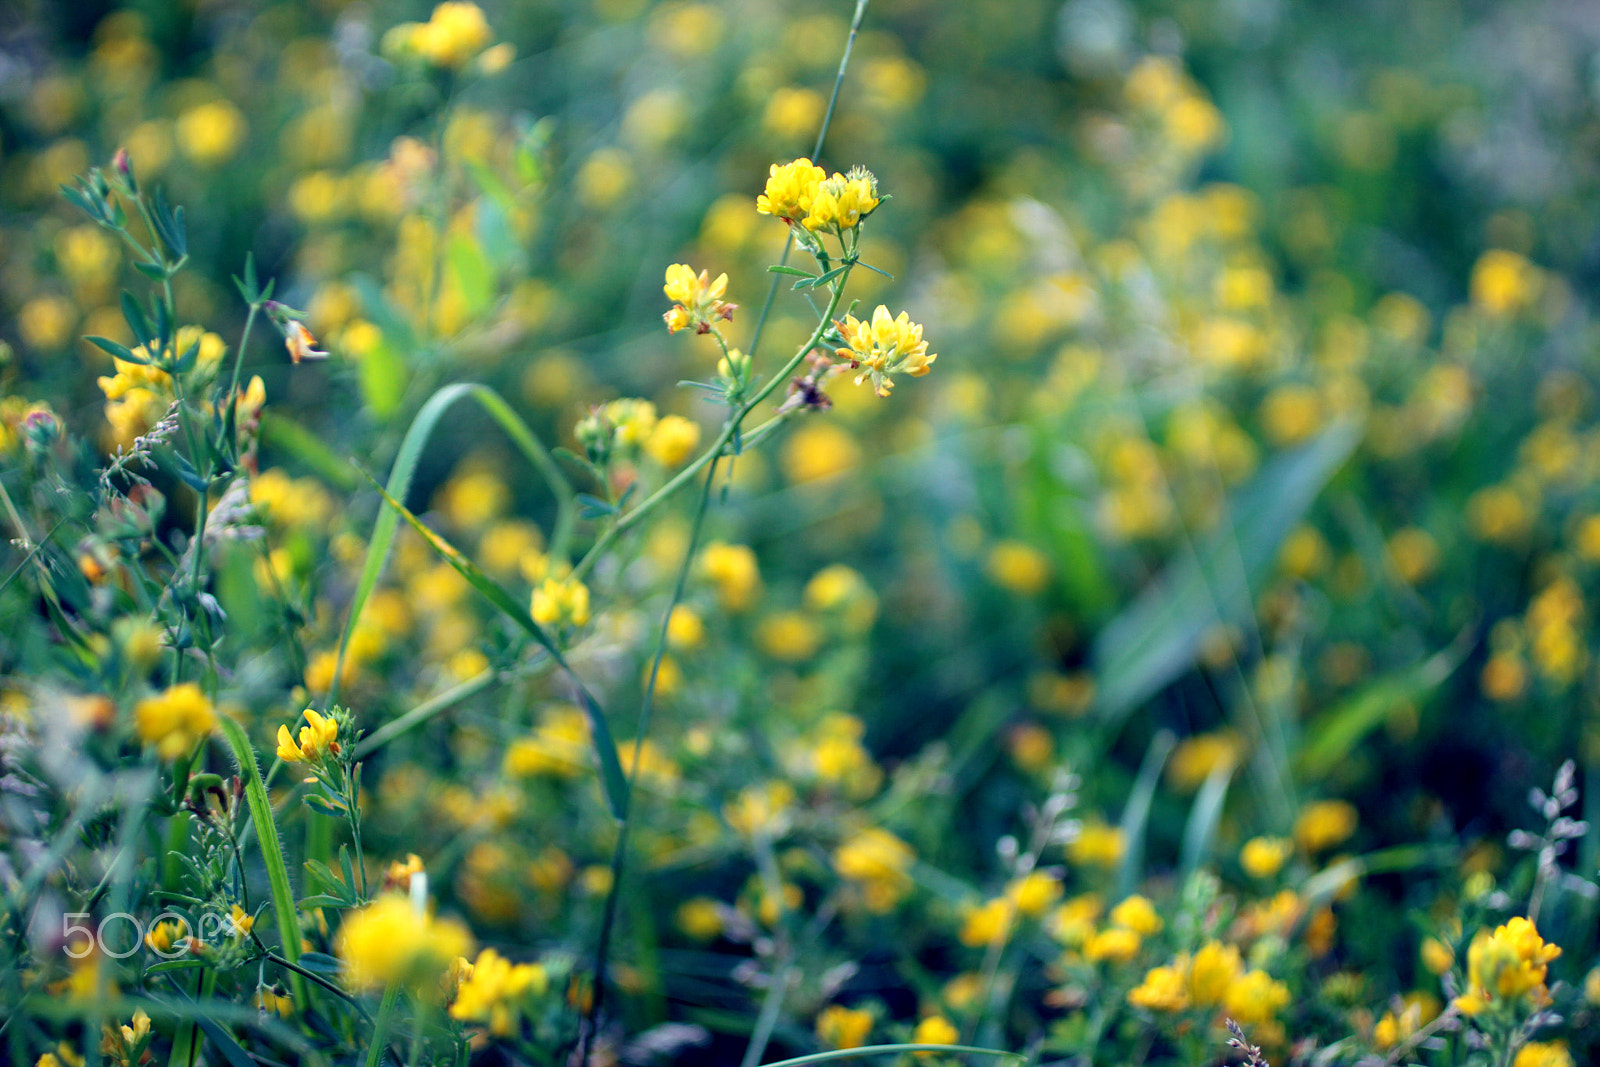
{"x": 1097, "y": 845}
{"x": 700, "y": 918}
{"x": 1137, "y": 914}
{"x": 1437, "y": 956}
{"x": 300, "y": 343}
{"x": 1163, "y": 989}
{"x": 561, "y": 601}
{"x": 937, "y": 1030}
{"x": 1325, "y": 824}
{"x": 986, "y": 922}
{"x": 1504, "y": 282}
{"x": 790, "y": 190}
{"x": 1507, "y": 965}
{"x": 175, "y": 720}
{"x": 494, "y": 992}
{"x": 1543, "y": 1054}
{"x": 317, "y": 740}
{"x": 1212, "y": 972}
{"x": 1263, "y": 857}
{"x": 1255, "y": 998}
{"x": 697, "y": 299}
{"x": 879, "y": 862}
{"x": 673, "y": 440}
{"x": 1034, "y": 893}
{"x": 882, "y": 347}
{"x": 1018, "y": 567}
{"x": 1114, "y": 945}
{"x": 210, "y": 133}
{"x": 732, "y": 569}
{"x": 455, "y": 33}
{"x": 842, "y": 1027}
{"x": 841, "y": 202}
{"x": 788, "y": 636}
{"x": 390, "y": 940}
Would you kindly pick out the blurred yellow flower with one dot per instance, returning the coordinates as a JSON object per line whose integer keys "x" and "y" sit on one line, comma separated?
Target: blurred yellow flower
{"x": 495, "y": 990}
{"x": 210, "y": 133}
{"x": 1164, "y": 989}
{"x": 732, "y": 569}
{"x": 175, "y": 720}
{"x": 1263, "y": 857}
{"x": 561, "y": 602}
{"x": 673, "y": 440}
{"x": 1255, "y": 998}
{"x": 936, "y": 1030}
{"x": 986, "y": 922}
{"x": 1504, "y": 282}
{"x": 840, "y": 1027}
{"x": 389, "y": 940}
{"x": 879, "y": 862}
{"x": 1097, "y": 845}
{"x": 1136, "y": 913}
{"x": 1018, "y": 567}
{"x": 789, "y": 637}
{"x": 1507, "y": 965}
{"x": 1324, "y": 824}
{"x": 1115, "y": 944}
{"x": 1543, "y": 1054}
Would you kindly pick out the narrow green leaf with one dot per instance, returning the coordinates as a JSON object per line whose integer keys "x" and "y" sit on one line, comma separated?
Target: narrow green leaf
{"x": 223, "y": 1041}
{"x": 794, "y": 271}
{"x": 1155, "y": 639}
{"x": 472, "y": 272}
{"x": 346, "y": 867}
{"x": 122, "y": 352}
{"x": 255, "y": 792}
{"x": 875, "y": 270}
{"x": 173, "y": 965}
{"x": 320, "y": 962}
{"x": 1137, "y": 813}
{"x": 137, "y": 322}
{"x": 1333, "y": 735}
{"x": 1204, "y": 816}
{"x": 153, "y": 271}
{"x": 895, "y": 1050}
{"x": 592, "y": 507}
{"x": 612, "y": 778}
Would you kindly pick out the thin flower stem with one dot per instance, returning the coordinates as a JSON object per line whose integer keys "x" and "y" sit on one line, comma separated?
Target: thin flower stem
{"x": 380, "y": 1029}
{"x": 619, "y": 855}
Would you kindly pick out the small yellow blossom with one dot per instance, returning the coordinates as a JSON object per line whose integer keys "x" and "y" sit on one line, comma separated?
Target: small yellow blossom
{"x": 390, "y": 940}
{"x": 1097, "y": 845}
{"x": 1164, "y": 989}
{"x": 700, "y": 918}
{"x": 456, "y": 32}
{"x": 790, "y": 190}
{"x": 789, "y": 637}
{"x": 1034, "y": 893}
{"x": 1507, "y": 965}
{"x": 175, "y": 720}
{"x": 1263, "y": 857}
{"x": 673, "y": 440}
{"x": 841, "y": 1027}
{"x": 209, "y": 133}
{"x": 316, "y": 741}
{"x": 882, "y": 347}
{"x": 935, "y": 1030}
{"x": 1136, "y": 913}
{"x": 697, "y": 300}
{"x": 1543, "y": 1054}
{"x": 732, "y": 569}
{"x": 1018, "y": 567}
{"x": 495, "y": 991}
{"x": 879, "y": 862}
{"x": 841, "y": 202}
{"x": 561, "y": 601}
{"x": 1324, "y": 824}
{"x": 986, "y": 922}
{"x": 1115, "y": 944}
{"x": 1437, "y": 956}
{"x": 1504, "y": 282}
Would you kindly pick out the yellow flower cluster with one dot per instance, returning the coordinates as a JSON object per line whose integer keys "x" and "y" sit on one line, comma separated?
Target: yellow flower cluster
{"x": 175, "y": 720}
{"x": 455, "y": 33}
{"x": 884, "y": 346}
{"x": 1213, "y": 977}
{"x": 879, "y": 863}
{"x": 493, "y": 990}
{"x": 391, "y": 941}
{"x": 697, "y": 300}
{"x": 561, "y": 602}
{"x": 1506, "y": 966}
{"x": 801, "y": 192}
{"x": 317, "y": 741}
{"x": 840, "y": 1027}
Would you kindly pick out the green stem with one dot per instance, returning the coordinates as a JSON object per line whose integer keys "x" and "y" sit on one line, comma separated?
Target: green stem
{"x": 422, "y": 713}
{"x": 186, "y": 1042}
{"x": 238, "y": 357}
{"x": 767, "y": 1021}
{"x": 313, "y": 976}
{"x": 711, "y": 454}
{"x": 380, "y": 1029}
{"x": 889, "y": 1050}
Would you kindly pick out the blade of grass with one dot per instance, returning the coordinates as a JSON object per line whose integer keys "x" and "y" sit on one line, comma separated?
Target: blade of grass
{"x": 1137, "y": 813}
{"x": 283, "y": 903}
{"x": 888, "y": 1050}
{"x": 1204, "y": 816}
{"x": 386, "y": 525}
{"x": 612, "y": 778}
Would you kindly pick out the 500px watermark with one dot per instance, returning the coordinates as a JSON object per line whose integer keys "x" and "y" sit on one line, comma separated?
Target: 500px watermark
{"x": 169, "y": 935}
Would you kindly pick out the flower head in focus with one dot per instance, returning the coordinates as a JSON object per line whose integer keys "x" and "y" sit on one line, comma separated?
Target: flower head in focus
{"x": 697, "y": 299}
{"x": 790, "y": 190}
{"x": 884, "y": 346}
{"x": 317, "y": 740}
{"x": 843, "y": 201}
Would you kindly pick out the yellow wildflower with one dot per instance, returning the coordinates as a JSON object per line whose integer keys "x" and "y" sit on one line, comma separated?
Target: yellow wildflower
{"x": 390, "y": 940}
{"x": 494, "y": 990}
{"x": 673, "y": 440}
{"x": 1255, "y": 998}
{"x": 1018, "y": 567}
{"x": 1137, "y": 914}
{"x": 882, "y": 347}
{"x": 175, "y": 720}
{"x": 790, "y": 190}
{"x": 1325, "y": 824}
{"x": 298, "y": 340}
{"x": 1097, "y": 845}
{"x": 1212, "y": 972}
{"x": 879, "y": 862}
{"x": 1034, "y": 893}
{"x": 841, "y": 202}
{"x": 700, "y": 918}
{"x": 1507, "y": 965}
{"x": 1163, "y": 989}
{"x": 1504, "y": 282}
{"x": 1437, "y": 956}
{"x": 697, "y": 300}
{"x": 316, "y": 742}
{"x": 1114, "y": 945}
{"x": 456, "y": 32}
{"x": 732, "y": 569}
{"x": 209, "y": 133}
{"x": 561, "y": 601}
{"x": 937, "y": 1030}
{"x": 1263, "y": 857}
{"x": 986, "y": 922}
{"x": 1543, "y": 1054}
{"x": 842, "y": 1027}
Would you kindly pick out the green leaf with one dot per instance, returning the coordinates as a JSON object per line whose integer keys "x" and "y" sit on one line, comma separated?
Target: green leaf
{"x": 122, "y": 352}
{"x": 472, "y": 272}
{"x": 1204, "y": 816}
{"x": 383, "y": 378}
{"x": 173, "y": 965}
{"x": 320, "y": 962}
{"x": 592, "y": 507}
{"x": 154, "y": 271}
{"x": 1156, "y": 638}
{"x": 777, "y": 268}
{"x": 324, "y": 806}
{"x": 1333, "y": 735}
{"x": 1136, "y": 815}
{"x": 255, "y": 792}
{"x": 612, "y": 778}
{"x": 405, "y": 465}
{"x": 875, "y": 270}
{"x": 137, "y": 322}
{"x": 223, "y": 1041}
